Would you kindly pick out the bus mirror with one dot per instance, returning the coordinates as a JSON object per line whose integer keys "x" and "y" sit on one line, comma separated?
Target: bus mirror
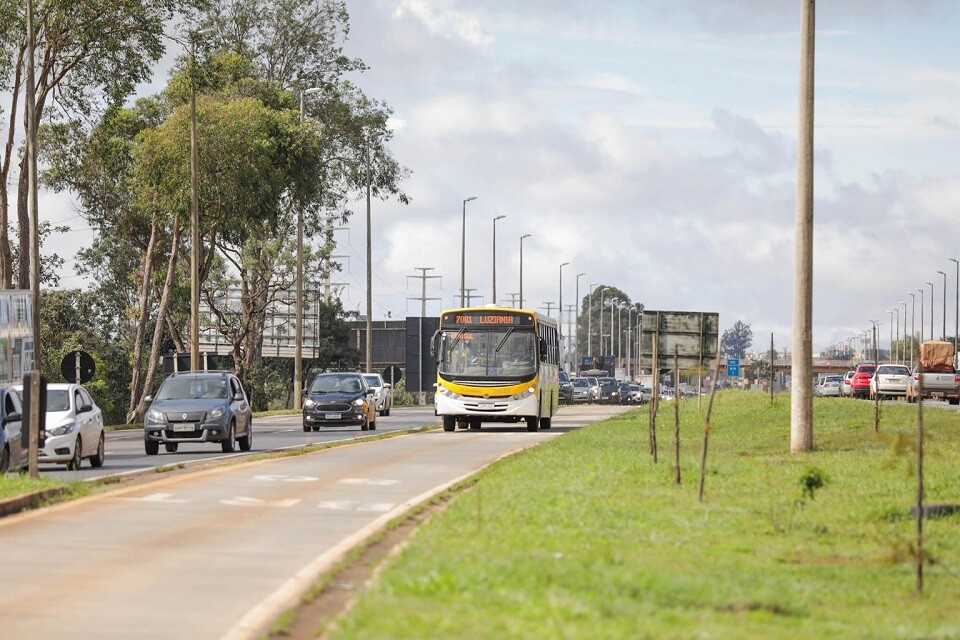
{"x": 435, "y": 349}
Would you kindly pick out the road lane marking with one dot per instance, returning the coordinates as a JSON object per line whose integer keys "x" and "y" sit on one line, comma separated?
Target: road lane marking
{"x": 244, "y": 501}
{"x": 350, "y": 505}
{"x": 368, "y": 482}
{"x": 160, "y": 497}
{"x": 285, "y": 478}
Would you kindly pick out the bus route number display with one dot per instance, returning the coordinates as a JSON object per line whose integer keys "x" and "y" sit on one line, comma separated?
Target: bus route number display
{"x": 487, "y": 319}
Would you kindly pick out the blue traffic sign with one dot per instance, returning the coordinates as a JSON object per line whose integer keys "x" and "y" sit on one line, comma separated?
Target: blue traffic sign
{"x": 733, "y": 367}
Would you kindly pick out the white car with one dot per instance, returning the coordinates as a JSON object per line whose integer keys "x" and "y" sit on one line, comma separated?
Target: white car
{"x": 74, "y": 426}
{"x": 383, "y": 393}
{"x": 829, "y": 386}
{"x": 889, "y": 381}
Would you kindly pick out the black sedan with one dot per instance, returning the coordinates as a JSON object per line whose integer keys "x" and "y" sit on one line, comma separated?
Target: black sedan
{"x": 339, "y": 400}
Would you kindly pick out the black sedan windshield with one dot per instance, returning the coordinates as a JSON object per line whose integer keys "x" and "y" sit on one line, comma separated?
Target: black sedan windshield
{"x": 336, "y": 384}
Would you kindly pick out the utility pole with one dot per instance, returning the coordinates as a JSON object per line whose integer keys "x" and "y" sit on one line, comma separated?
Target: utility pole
{"x": 801, "y": 390}
{"x": 468, "y": 296}
{"x": 549, "y": 306}
{"x": 369, "y": 345}
{"x": 423, "y": 312}
{"x": 514, "y": 298}
{"x": 33, "y": 454}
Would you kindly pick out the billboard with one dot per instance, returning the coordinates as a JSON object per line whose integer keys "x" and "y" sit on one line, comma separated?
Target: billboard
{"x": 694, "y": 336}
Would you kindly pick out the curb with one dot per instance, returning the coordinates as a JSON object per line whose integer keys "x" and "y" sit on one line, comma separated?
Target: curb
{"x": 11, "y": 506}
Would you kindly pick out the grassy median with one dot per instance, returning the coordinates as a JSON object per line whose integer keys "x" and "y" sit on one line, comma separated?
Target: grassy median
{"x": 585, "y": 537}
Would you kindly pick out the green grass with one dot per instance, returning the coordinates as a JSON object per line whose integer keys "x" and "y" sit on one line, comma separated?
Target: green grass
{"x": 16, "y": 484}
{"x": 585, "y": 537}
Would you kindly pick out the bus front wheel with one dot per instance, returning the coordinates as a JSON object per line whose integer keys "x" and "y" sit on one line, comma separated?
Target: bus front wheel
{"x": 449, "y": 423}
{"x": 532, "y": 423}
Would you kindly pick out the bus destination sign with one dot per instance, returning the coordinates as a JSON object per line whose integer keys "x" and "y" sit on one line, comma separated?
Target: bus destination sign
{"x": 477, "y": 319}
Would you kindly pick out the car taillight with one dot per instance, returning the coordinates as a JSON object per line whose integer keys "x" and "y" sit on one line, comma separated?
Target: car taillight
{"x": 916, "y": 376}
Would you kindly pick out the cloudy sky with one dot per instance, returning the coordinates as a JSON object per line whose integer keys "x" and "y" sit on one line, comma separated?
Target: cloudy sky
{"x": 652, "y": 145}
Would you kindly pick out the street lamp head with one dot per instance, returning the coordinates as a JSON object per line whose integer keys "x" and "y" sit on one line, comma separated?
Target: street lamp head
{"x": 526, "y": 235}
{"x": 469, "y": 199}
{"x": 954, "y": 260}
{"x": 563, "y": 264}
{"x": 942, "y": 273}
{"x": 500, "y": 217}
{"x": 312, "y": 90}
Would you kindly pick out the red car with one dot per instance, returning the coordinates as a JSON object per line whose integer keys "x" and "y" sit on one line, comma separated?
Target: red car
{"x": 860, "y": 382}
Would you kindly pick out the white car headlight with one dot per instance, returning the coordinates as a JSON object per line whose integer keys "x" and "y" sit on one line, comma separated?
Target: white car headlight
{"x": 64, "y": 429}
{"x": 309, "y": 404}
{"x": 155, "y": 416}
{"x": 213, "y": 414}
{"x": 359, "y": 402}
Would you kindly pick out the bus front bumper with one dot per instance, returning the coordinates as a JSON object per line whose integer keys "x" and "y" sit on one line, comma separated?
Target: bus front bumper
{"x": 492, "y": 408}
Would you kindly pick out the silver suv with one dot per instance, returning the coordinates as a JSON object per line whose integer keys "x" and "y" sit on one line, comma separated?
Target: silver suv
{"x": 198, "y": 406}
{"x": 383, "y": 393}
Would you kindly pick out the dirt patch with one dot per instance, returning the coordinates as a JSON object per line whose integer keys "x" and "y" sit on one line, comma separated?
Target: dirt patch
{"x": 335, "y": 593}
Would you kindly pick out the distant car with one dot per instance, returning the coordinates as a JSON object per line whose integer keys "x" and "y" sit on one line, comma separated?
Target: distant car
{"x": 581, "y": 390}
{"x": 829, "y": 386}
{"x": 609, "y": 391}
{"x": 634, "y": 394}
{"x": 13, "y": 456}
{"x": 198, "y": 407}
{"x": 845, "y": 384}
{"x": 74, "y": 426}
{"x": 338, "y": 400}
{"x": 383, "y": 393}
{"x": 566, "y": 388}
{"x": 860, "y": 382}
{"x": 889, "y": 381}
{"x": 594, "y": 383}
{"x": 624, "y": 388}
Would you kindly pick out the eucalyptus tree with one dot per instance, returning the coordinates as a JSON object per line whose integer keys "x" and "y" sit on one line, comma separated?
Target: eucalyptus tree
{"x": 87, "y": 54}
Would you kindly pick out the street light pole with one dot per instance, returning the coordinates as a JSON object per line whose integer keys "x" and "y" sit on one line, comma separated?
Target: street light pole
{"x": 560, "y": 313}
{"x": 890, "y": 355}
{"x": 576, "y": 324}
{"x": 901, "y": 347}
{"x": 921, "y": 314}
{"x": 913, "y": 323}
{"x": 590, "y": 323}
{"x": 956, "y": 321}
{"x": 931, "y": 309}
{"x": 526, "y": 235}
{"x": 600, "y": 320}
{"x": 463, "y": 252}
{"x": 500, "y": 217}
{"x": 943, "y": 334}
{"x": 194, "y": 218}
{"x": 298, "y": 355}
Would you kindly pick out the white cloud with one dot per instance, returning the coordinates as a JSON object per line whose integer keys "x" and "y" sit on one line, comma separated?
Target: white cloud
{"x": 440, "y": 19}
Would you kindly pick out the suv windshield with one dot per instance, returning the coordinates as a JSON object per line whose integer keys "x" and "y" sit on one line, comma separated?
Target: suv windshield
{"x": 193, "y": 388}
{"x": 511, "y": 352}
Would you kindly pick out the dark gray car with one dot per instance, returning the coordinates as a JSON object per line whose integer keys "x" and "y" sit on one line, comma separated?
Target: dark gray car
{"x": 339, "y": 400}
{"x": 198, "y": 406}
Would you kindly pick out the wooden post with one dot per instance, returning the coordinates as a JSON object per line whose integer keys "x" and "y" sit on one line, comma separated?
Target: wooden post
{"x": 676, "y": 408}
{"x": 876, "y": 396}
{"x": 706, "y": 424}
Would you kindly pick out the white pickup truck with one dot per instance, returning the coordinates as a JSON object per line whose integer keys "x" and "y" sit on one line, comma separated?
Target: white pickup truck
{"x": 936, "y": 376}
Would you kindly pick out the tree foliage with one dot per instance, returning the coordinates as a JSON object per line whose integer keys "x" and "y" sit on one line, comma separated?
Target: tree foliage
{"x": 737, "y": 339}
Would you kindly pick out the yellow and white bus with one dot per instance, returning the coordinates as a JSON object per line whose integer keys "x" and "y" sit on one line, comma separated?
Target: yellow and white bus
{"x": 496, "y": 364}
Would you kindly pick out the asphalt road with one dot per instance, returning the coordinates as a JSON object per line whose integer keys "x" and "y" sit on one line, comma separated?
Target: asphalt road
{"x": 221, "y": 552}
{"x": 125, "y": 454}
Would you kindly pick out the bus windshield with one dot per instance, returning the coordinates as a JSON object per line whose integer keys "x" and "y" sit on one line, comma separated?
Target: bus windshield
{"x": 507, "y": 353}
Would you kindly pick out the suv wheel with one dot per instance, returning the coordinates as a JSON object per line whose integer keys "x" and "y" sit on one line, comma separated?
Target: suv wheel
{"x": 152, "y": 447}
{"x": 246, "y": 442}
{"x": 226, "y": 445}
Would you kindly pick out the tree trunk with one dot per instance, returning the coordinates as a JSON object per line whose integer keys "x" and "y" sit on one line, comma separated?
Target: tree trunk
{"x": 23, "y": 222}
{"x": 142, "y": 323}
{"x": 161, "y": 316}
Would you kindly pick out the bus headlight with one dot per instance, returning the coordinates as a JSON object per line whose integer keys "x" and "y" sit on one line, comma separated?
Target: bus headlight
{"x": 448, "y": 393}
{"x": 524, "y": 394}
